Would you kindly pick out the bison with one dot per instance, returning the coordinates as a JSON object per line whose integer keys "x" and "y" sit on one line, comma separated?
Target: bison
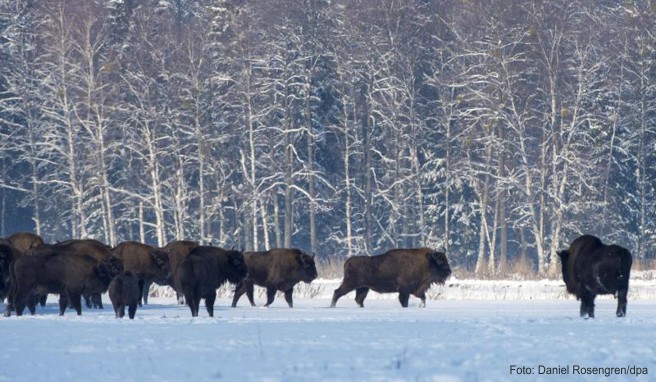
{"x": 68, "y": 274}
{"x": 205, "y": 269}
{"x": 591, "y": 268}
{"x": 406, "y": 271}
{"x": 124, "y": 291}
{"x": 276, "y": 270}
{"x": 148, "y": 263}
{"x": 94, "y": 248}
{"x": 24, "y": 241}
{"x": 177, "y": 251}
{"x": 8, "y": 254}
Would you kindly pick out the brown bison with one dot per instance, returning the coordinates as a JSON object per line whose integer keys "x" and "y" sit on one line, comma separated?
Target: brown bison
{"x": 276, "y": 270}
{"x": 68, "y": 274}
{"x": 94, "y": 248}
{"x": 24, "y": 241}
{"x": 591, "y": 268}
{"x": 148, "y": 263}
{"x": 205, "y": 269}
{"x": 124, "y": 291}
{"x": 406, "y": 271}
{"x": 177, "y": 251}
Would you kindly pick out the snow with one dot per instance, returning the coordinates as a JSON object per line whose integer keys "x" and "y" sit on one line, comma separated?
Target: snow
{"x": 457, "y": 337}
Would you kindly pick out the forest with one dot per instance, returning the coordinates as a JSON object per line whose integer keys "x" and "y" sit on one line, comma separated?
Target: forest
{"x": 497, "y": 130}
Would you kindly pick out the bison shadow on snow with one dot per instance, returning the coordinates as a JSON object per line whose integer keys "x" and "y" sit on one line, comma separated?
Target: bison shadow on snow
{"x": 591, "y": 268}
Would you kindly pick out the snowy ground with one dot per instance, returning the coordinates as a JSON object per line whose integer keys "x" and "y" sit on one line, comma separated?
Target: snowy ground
{"x": 450, "y": 340}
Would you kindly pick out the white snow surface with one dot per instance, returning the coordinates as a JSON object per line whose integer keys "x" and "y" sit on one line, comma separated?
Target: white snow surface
{"x": 457, "y": 337}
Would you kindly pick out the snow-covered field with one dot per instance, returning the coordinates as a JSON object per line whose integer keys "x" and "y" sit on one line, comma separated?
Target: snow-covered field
{"x": 457, "y": 337}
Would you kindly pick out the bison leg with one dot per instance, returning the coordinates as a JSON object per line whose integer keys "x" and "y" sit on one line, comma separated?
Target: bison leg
{"x": 180, "y": 297}
{"x": 121, "y": 311}
{"x": 32, "y": 301}
{"x": 271, "y": 294}
{"x": 587, "y": 306}
{"x": 621, "y": 302}
{"x": 43, "y": 299}
{"x": 240, "y": 289}
{"x": 145, "y": 291}
{"x": 116, "y": 307}
{"x": 288, "y": 297}
{"x": 250, "y": 292}
{"x": 209, "y": 302}
{"x": 360, "y": 295}
{"x": 422, "y": 297}
{"x": 132, "y": 309}
{"x": 339, "y": 292}
{"x": 76, "y": 301}
{"x": 87, "y": 301}
{"x": 63, "y": 303}
{"x": 96, "y": 301}
{"x": 404, "y": 296}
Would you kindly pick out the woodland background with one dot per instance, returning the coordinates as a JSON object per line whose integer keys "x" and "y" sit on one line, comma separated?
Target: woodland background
{"x": 499, "y": 130}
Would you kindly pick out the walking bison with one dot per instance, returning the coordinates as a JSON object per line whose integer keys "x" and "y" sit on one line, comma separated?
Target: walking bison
{"x": 68, "y": 274}
{"x": 591, "y": 268}
{"x": 205, "y": 269}
{"x": 276, "y": 270}
{"x": 406, "y": 271}
{"x": 124, "y": 291}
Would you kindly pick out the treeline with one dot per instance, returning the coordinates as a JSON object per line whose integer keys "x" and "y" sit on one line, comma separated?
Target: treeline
{"x": 497, "y": 130}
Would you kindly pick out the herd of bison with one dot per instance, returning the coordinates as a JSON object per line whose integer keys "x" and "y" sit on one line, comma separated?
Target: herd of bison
{"x": 76, "y": 269}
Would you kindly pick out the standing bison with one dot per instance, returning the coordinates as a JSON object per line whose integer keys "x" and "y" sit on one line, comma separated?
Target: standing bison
{"x": 68, "y": 274}
{"x": 124, "y": 291}
{"x": 94, "y": 248}
{"x": 205, "y": 269}
{"x": 406, "y": 271}
{"x": 591, "y": 268}
{"x": 276, "y": 270}
{"x": 150, "y": 264}
{"x": 177, "y": 251}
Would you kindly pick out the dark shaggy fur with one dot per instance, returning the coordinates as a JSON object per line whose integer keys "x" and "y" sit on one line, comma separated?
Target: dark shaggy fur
{"x": 68, "y": 274}
{"x": 177, "y": 251}
{"x": 406, "y": 271}
{"x": 591, "y": 268}
{"x": 124, "y": 291}
{"x": 94, "y": 248}
{"x": 205, "y": 269}
{"x": 148, "y": 263}
{"x": 276, "y": 270}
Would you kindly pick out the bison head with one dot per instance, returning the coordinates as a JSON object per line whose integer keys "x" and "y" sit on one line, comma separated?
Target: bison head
{"x": 306, "y": 266}
{"x": 160, "y": 259}
{"x": 236, "y": 269}
{"x": 439, "y": 266}
{"x": 108, "y": 269}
